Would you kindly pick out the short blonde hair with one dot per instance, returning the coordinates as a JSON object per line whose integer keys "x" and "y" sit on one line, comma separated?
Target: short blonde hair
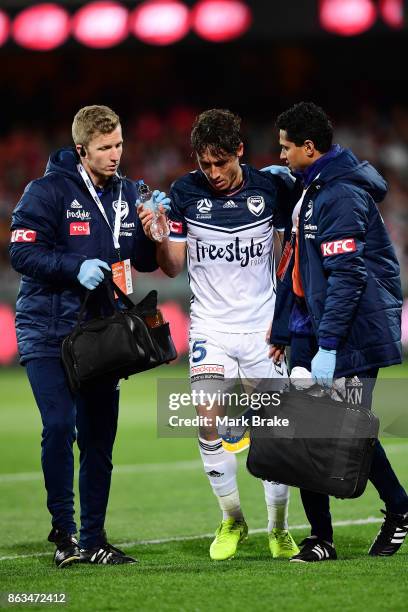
{"x": 91, "y": 120}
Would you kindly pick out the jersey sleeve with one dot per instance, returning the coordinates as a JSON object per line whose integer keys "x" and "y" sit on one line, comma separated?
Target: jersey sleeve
{"x": 177, "y": 221}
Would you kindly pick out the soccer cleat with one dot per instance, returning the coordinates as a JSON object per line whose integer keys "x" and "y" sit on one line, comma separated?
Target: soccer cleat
{"x": 105, "y": 554}
{"x": 236, "y": 438}
{"x": 236, "y": 445}
{"x": 229, "y": 534}
{"x": 67, "y": 548}
{"x": 281, "y": 544}
{"x": 391, "y": 536}
{"x": 314, "y": 549}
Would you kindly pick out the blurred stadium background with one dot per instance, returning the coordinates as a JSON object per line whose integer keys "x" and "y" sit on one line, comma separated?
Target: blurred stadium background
{"x": 160, "y": 62}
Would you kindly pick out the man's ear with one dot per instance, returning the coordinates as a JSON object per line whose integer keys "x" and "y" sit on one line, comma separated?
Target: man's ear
{"x": 309, "y": 148}
{"x": 80, "y": 150}
{"x": 240, "y": 150}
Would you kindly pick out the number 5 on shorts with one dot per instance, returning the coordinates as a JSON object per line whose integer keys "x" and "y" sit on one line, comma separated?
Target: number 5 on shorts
{"x": 198, "y": 351}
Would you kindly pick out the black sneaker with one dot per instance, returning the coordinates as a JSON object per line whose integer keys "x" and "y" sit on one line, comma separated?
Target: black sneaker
{"x": 105, "y": 554}
{"x": 67, "y": 548}
{"x": 314, "y": 549}
{"x": 391, "y": 536}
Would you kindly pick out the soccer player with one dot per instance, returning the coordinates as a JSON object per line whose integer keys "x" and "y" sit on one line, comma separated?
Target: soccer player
{"x": 70, "y": 225}
{"x": 223, "y": 216}
{"x": 342, "y": 296}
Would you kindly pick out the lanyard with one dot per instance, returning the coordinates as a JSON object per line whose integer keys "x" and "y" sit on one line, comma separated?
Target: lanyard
{"x": 115, "y": 231}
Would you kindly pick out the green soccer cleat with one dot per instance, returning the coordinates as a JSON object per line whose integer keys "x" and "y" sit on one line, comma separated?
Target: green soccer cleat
{"x": 229, "y": 534}
{"x": 281, "y": 544}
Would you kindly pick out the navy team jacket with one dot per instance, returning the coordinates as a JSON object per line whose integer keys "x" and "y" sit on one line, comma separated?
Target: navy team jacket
{"x": 349, "y": 269}
{"x": 55, "y": 227}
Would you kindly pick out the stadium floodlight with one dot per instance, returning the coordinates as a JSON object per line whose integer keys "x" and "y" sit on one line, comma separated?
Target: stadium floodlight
{"x": 392, "y": 11}
{"x": 160, "y": 22}
{"x": 347, "y": 17}
{"x": 4, "y": 27}
{"x": 221, "y": 20}
{"x": 41, "y": 27}
{"x": 101, "y": 24}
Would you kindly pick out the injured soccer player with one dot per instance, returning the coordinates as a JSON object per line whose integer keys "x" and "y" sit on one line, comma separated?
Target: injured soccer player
{"x": 226, "y": 215}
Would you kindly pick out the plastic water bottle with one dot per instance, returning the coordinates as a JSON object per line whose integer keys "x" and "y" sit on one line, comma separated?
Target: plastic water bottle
{"x": 157, "y": 230}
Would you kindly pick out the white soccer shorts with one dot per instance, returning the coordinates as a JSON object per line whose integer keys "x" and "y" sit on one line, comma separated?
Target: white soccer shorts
{"x": 224, "y": 356}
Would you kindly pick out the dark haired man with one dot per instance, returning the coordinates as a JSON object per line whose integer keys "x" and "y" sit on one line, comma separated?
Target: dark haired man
{"x": 225, "y": 214}
{"x": 70, "y": 225}
{"x": 339, "y": 301}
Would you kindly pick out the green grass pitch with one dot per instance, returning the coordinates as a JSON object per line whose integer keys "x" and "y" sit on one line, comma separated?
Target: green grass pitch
{"x": 162, "y": 511}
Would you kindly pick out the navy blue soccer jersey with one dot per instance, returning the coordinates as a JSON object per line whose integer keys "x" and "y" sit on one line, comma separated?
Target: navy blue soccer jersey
{"x": 230, "y": 248}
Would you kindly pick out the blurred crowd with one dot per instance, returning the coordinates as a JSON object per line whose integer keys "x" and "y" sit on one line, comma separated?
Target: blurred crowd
{"x": 157, "y": 149}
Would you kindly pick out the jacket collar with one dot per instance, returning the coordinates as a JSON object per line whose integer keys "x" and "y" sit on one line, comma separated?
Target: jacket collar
{"x": 309, "y": 175}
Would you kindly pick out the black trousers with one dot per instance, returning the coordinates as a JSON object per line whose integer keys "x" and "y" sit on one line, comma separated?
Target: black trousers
{"x": 382, "y": 476}
{"x": 90, "y": 418}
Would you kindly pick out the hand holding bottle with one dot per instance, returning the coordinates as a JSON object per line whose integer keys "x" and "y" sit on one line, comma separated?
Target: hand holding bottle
{"x": 157, "y": 203}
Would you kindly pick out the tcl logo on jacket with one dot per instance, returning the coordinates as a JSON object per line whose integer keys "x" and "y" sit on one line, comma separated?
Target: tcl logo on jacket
{"x": 79, "y": 229}
{"x": 23, "y": 235}
{"x": 347, "y": 245}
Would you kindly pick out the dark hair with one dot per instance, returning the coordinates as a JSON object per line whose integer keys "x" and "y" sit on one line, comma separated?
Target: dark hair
{"x": 218, "y": 130}
{"x": 306, "y": 121}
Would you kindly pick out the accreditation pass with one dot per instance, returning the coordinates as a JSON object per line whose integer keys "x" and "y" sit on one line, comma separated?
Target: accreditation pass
{"x": 122, "y": 275}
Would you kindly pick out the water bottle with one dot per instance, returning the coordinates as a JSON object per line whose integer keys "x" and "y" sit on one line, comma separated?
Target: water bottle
{"x": 157, "y": 230}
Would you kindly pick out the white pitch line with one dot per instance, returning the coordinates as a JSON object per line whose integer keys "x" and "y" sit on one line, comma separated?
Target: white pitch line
{"x": 140, "y": 468}
{"x": 132, "y": 468}
{"x": 367, "y": 521}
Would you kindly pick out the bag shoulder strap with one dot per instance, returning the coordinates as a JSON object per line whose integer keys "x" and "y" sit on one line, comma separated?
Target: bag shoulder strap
{"x": 123, "y": 297}
{"x": 147, "y": 306}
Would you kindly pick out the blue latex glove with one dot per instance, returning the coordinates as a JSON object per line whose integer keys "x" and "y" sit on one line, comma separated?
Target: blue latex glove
{"x": 90, "y": 273}
{"x": 159, "y": 197}
{"x": 323, "y": 366}
{"x": 282, "y": 172}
